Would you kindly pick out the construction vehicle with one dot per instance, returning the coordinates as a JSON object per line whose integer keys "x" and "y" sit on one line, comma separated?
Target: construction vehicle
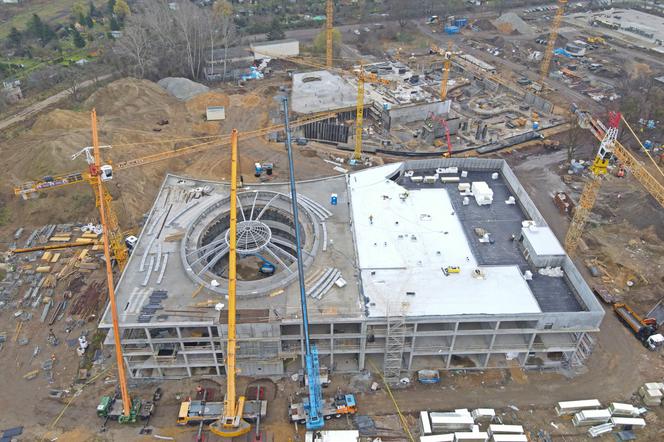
{"x": 645, "y": 330}
{"x": 312, "y": 409}
{"x": 551, "y": 43}
{"x": 451, "y": 269}
{"x": 340, "y": 405}
{"x": 194, "y": 412}
{"x": 609, "y": 147}
{"x": 266, "y": 268}
{"x": 596, "y": 40}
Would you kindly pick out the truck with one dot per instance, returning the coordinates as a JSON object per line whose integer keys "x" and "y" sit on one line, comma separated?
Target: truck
{"x": 337, "y": 406}
{"x": 645, "y": 330}
{"x": 110, "y": 407}
{"x": 197, "y": 411}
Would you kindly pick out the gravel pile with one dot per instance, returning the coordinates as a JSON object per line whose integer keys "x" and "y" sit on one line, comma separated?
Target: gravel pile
{"x": 182, "y": 88}
{"x": 515, "y": 22}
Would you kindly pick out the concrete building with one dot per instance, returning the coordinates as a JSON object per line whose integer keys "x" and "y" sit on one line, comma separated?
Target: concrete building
{"x": 407, "y": 271}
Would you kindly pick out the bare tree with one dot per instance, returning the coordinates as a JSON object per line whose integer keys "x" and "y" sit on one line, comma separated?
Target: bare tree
{"x": 173, "y": 38}
{"x": 223, "y": 30}
{"x": 135, "y": 46}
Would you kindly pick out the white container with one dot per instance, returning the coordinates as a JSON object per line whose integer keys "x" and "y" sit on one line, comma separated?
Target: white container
{"x": 624, "y": 410}
{"x": 464, "y": 173}
{"x": 416, "y": 179}
{"x": 471, "y": 437}
{"x": 449, "y": 179}
{"x": 505, "y": 429}
{"x": 429, "y": 179}
{"x": 494, "y": 176}
{"x": 438, "y": 438}
{"x": 509, "y": 438}
{"x": 483, "y": 413}
{"x": 447, "y": 170}
{"x": 571, "y": 407}
{"x": 635, "y": 422}
{"x": 425, "y": 423}
{"x": 464, "y": 187}
{"x": 465, "y": 201}
{"x": 442, "y": 423}
{"x": 600, "y": 429}
{"x": 591, "y": 417}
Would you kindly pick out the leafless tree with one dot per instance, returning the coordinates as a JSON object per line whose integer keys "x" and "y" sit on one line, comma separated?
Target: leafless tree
{"x": 135, "y": 46}
{"x": 165, "y": 40}
{"x": 572, "y": 139}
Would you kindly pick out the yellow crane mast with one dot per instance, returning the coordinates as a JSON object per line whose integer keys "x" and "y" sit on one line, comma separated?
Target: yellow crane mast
{"x": 550, "y": 45}
{"x": 96, "y": 180}
{"x": 609, "y": 147}
{"x": 362, "y": 77}
{"x": 447, "y": 64}
{"x": 232, "y": 424}
{"x": 329, "y": 32}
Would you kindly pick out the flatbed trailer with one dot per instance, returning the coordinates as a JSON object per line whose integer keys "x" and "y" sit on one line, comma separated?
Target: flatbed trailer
{"x": 195, "y": 412}
{"x": 337, "y": 406}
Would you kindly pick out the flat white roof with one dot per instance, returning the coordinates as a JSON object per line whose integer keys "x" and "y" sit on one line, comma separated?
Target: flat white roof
{"x": 404, "y": 247}
{"x": 543, "y": 240}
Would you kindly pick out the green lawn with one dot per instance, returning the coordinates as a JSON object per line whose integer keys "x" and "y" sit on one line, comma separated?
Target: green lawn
{"x": 50, "y": 11}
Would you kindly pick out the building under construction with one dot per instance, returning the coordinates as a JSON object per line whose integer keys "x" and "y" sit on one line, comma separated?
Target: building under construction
{"x": 430, "y": 264}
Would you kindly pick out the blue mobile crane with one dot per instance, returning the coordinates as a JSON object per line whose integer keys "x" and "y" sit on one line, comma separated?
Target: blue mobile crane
{"x": 313, "y": 407}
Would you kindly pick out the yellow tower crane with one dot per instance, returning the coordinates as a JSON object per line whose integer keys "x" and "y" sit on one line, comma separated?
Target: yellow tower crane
{"x": 362, "y": 78}
{"x": 609, "y": 147}
{"x": 550, "y": 46}
{"x": 96, "y": 180}
{"x": 231, "y": 424}
{"x": 329, "y": 32}
{"x": 447, "y": 65}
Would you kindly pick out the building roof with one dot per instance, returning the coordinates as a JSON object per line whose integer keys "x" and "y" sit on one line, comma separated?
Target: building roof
{"x": 543, "y": 240}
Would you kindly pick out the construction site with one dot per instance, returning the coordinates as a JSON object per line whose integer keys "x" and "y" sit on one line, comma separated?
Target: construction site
{"x": 454, "y": 237}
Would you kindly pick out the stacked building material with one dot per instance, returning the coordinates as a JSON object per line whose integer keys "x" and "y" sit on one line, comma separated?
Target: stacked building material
{"x": 509, "y": 438}
{"x": 496, "y": 429}
{"x": 652, "y": 393}
{"x": 598, "y": 430}
{"x": 474, "y": 436}
{"x": 623, "y": 410}
{"x": 452, "y": 421}
{"x": 567, "y": 408}
{"x": 591, "y": 417}
{"x": 631, "y": 422}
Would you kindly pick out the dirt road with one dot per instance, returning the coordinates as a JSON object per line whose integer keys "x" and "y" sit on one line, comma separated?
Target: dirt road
{"x": 40, "y": 106}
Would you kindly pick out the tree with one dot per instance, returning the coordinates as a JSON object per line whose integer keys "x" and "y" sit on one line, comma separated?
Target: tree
{"x": 89, "y": 22}
{"x": 78, "y": 13}
{"x": 115, "y": 26}
{"x": 15, "y": 38}
{"x": 276, "y": 31}
{"x": 109, "y": 6}
{"x": 320, "y": 42}
{"x": 79, "y": 41}
{"x": 92, "y": 10}
{"x": 121, "y": 9}
{"x": 223, "y": 28}
{"x": 40, "y": 30}
{"x": 402, "y": 10}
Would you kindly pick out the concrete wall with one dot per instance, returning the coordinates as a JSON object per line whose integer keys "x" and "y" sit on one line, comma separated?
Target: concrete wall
{"x": 414, "y": 112}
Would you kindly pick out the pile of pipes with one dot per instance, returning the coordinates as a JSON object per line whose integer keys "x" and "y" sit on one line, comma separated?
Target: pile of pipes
{"x": 465, "y": 425}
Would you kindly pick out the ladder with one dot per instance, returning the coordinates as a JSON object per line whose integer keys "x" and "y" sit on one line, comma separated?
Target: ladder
{"x": 395, "y": 339}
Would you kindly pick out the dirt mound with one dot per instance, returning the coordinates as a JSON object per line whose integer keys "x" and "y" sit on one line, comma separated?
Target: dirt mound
{"x": 182, "y": 88}
{"x": 129, "y": 96}
{"x": 61, "y": 119}
{"x": 198, "y": 104}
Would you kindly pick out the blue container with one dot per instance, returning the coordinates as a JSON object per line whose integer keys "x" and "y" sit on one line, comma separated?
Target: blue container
{"x": 460, "y": 22}
{"x": 648, "y": 144}
{"x": 333, "y": 199}
{"x": 535, "y": 125}
{"x": 451, "y": 30}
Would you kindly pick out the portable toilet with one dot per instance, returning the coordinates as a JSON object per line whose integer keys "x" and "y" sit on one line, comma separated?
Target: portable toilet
{"x": 333, "y": 199}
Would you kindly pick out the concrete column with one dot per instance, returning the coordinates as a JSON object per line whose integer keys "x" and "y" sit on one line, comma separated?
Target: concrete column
{"x": 149, "y": 338}
{"x": 214, "y": 351}
{"x": 363, "y": 346}
{"x": 449, "y": 359}
{"x": 530, "y": 346}
{"x": 412, "y": 347}
{"x": 186, "y": 359}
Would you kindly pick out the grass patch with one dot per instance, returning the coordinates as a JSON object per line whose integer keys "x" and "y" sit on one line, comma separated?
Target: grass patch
{"x": 50, "y": 11}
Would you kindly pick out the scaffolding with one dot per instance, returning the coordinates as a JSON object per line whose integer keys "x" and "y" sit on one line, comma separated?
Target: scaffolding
{"x": 395, "y": 340}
